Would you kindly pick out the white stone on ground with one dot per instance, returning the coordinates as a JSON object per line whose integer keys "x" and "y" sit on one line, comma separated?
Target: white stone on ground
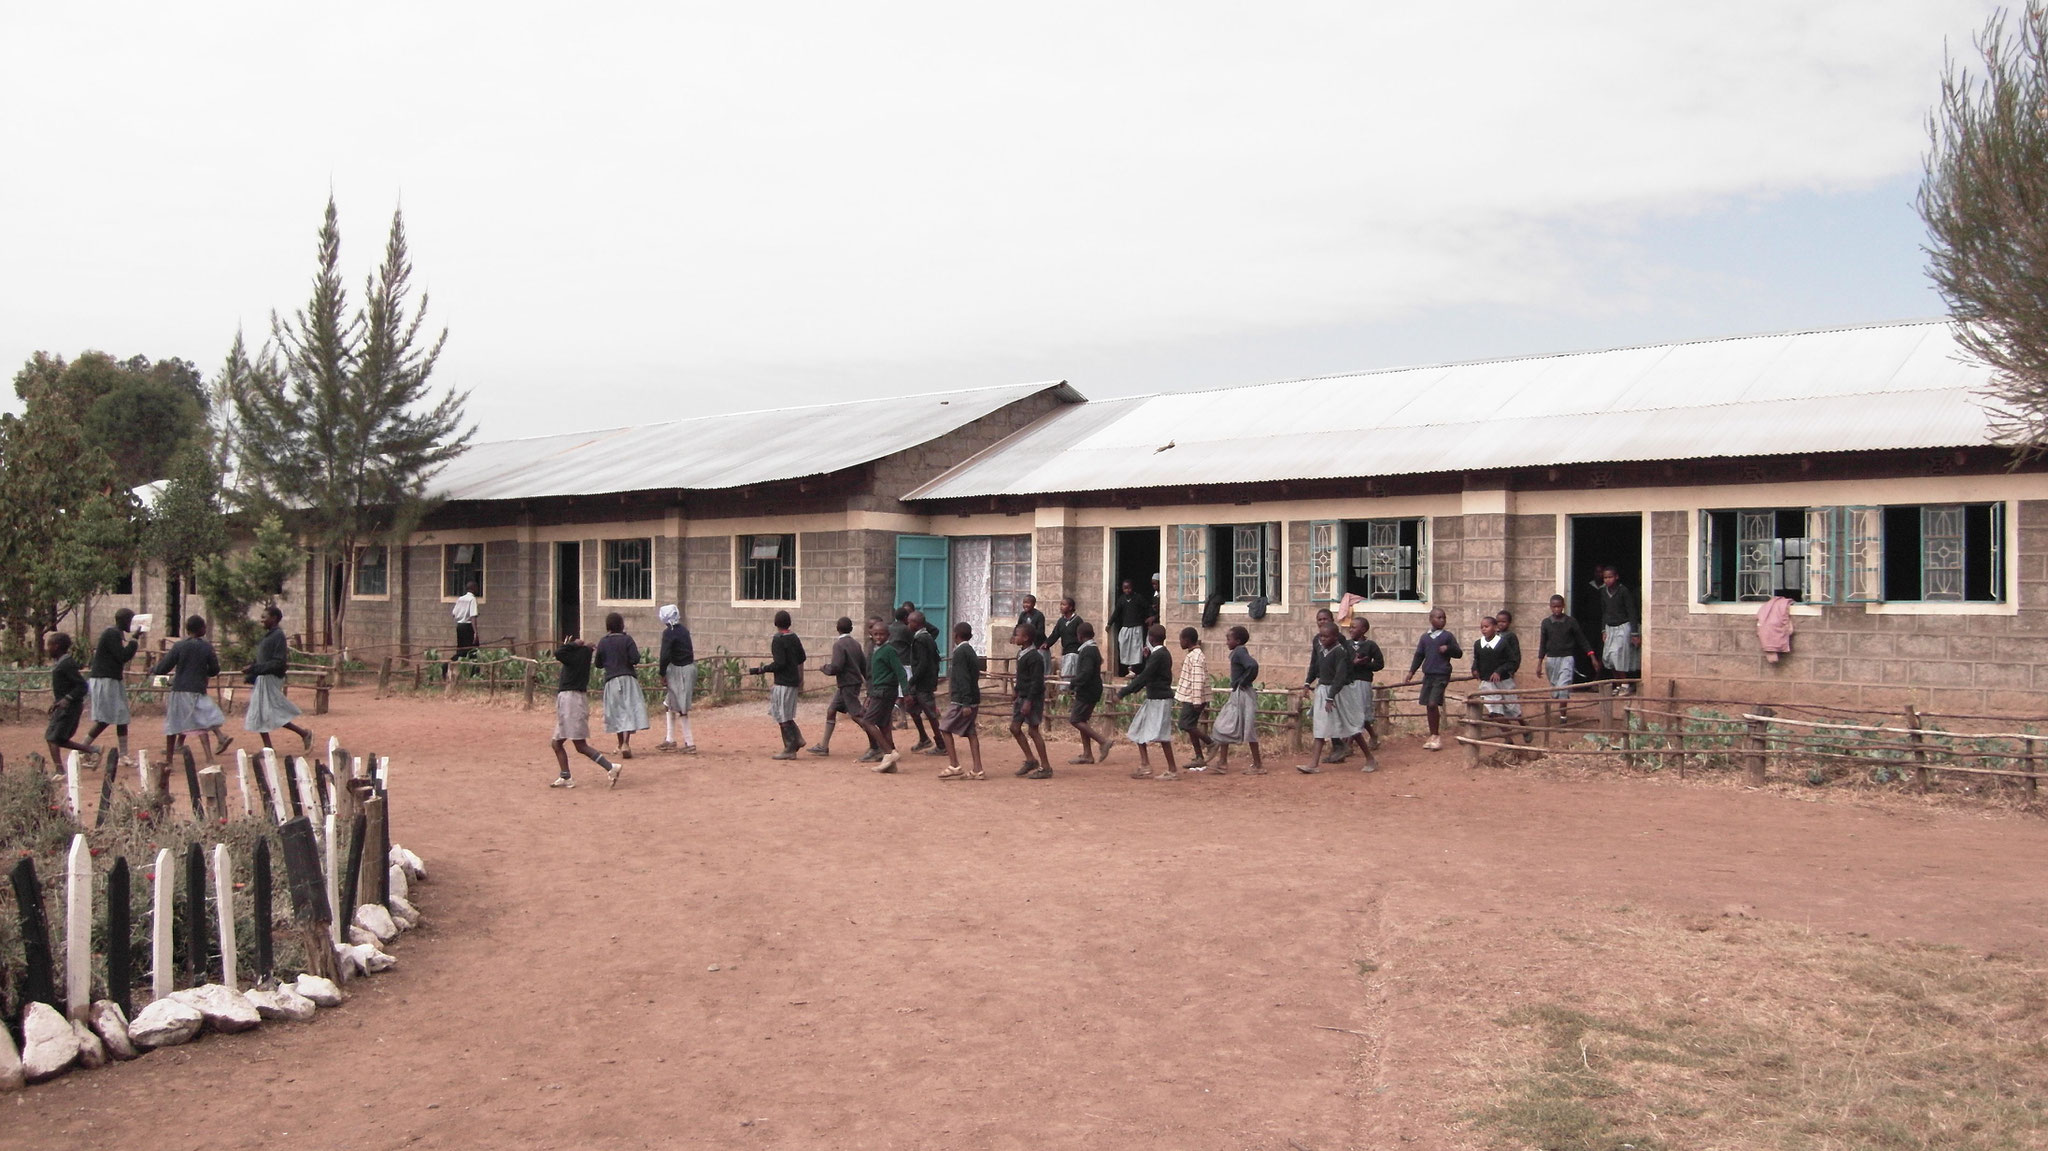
{"x": 225, "y": 1009}
{"x": 358, "y": 935}
{"x": 112, "y": 1027}
{"x": 283, "y": 1003}
{"x": 49, "y": 1046}
{"x": 377, "y": 961}
{"x": 400, "y": 888}
{"x": 10, "y": 1063}
{"x": 413, "y": 864}
{"x": 92, "y": 1054}
{"x": 404, "y": 913}
{"x": 322, "y": 992}
{"x": 372, "y": 917}
{"x": 165, "y": 1023}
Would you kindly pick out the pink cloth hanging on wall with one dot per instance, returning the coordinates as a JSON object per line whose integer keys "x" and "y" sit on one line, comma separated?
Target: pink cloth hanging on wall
{"x": 1774, "y": 627}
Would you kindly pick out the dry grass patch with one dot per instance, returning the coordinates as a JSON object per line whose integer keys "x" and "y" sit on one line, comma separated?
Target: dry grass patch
{"x": 1733, "y": 1033}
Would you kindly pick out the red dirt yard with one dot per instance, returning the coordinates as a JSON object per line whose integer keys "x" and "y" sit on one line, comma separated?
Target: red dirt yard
{"x": 731, "y": 952}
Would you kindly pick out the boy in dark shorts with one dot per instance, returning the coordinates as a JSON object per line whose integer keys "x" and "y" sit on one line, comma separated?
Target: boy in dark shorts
{"x": 885, "y": 681}
{"x": 1433, "y": 655}
{"x": 1085, "y": 686}
{"x": 848, "y": 667}
{"x": 963, "y": 704}
{"x": 1027, "y": 714}
{"x": 67, "y": 702}
{"x": 924, "y": 681}
{"x": 572, "y": 712}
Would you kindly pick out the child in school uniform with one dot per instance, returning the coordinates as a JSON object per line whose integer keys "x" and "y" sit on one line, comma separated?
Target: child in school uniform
{"x": 1029, "y": 616}
{"x": 67, "y": 702}
{"x": 1084, "y": 685}
{"x": 1340, "y": 751}
{"x": 786, "y": 664}
{"x": 885, "y": 681}
{"x": 963, "y": 704}
{"x": 106, "y": 692}
{"x": 1495, "y": 660}
{"x": 1192, "y": 691}
{"x": 1237, "y": 721}
{"x": 572, "y": 712}
{"x": 625, "y": 706}
{"x": 1154, "y": 721}
{"x": 847, "y": 664}
{"x": 1334, "y": 714}
{"x": 1027, "y": 714}
{"x": 268, "y": 707}
{"x": 1066, "y": 630}
{"x": 1561, "y": 641}
{"x": 1366, "y": 661}
{"x": 1433, "y": 655}
{"x": 189, "y": 708}
{"x": 1129, "y": 618}
{"x": 678, "y": 668}
{"x": 924, "y": 681}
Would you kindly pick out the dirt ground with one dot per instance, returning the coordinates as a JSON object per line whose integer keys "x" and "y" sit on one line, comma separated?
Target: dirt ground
{"x": 727, "y": 951}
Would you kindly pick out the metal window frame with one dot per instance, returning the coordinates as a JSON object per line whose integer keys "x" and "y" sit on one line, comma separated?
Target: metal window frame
{"x": 615, "y": 570}
{"x": 749, "y": 569}
{"x": 1324, "y": 549}
{"x": 1191, "y": 562}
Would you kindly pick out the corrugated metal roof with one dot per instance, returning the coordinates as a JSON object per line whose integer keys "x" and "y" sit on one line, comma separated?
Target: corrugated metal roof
{"x": 723, "y": 451}
{"x": 1848, "y": 389}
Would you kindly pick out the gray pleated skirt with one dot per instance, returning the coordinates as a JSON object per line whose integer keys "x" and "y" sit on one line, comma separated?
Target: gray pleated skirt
{"x": 625, "y": 706}
{"x": 1616, "y": 650}
{"x": 1340, "y": 722}
{"x": 781, "y": 703}
{"x": 1130, "y": 645}
{"x": 682, "y": 684}
{"x": 190, "y": 711}
{"x": 1153, "y": 723}
{"x": 109, "y": 700}
{"x": 268, "y": 707}
{"x": 572, "y": 715}
{"x": 1362, "y": 690}
{"x": 1238, "y": 720}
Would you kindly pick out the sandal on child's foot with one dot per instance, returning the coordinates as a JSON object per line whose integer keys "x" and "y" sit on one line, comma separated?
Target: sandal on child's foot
{"x": 953, "y": 772}
{"x": 1308, "y": 769}
{"x": 1141, "y": 773}
{"x": 1030, "y": 765}
{"x": 1081, "y": 759}
{"x": 1167, "y": 775}
{"x": 977, "y": 775}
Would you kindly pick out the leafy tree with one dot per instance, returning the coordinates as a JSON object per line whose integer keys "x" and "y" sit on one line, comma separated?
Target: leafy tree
{"x": 346, "y": 433}
{"x": 96, "y": 548}
{"x": 234, "y": 584}
{"x": 187, "y": 524}
{"x": 138, "y": 412}
{"x": 1984, "y": 198}
{"x": 57, "y": 489}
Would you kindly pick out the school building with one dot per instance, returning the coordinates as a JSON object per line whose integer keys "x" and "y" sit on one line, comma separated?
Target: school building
{"x": 1852, "y": 470}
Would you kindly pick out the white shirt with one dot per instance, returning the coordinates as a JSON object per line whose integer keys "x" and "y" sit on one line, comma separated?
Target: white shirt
{"x": 465, "y": 608}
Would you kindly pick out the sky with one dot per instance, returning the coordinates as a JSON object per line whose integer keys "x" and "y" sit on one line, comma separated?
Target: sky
{"x": 624, "y": 212}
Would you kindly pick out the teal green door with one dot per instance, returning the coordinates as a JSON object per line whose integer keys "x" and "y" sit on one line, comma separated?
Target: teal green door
{"x": 924, "y": 577}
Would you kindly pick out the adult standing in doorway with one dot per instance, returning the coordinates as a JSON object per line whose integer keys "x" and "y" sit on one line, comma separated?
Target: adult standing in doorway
{"x": 1130, "y": 616}
{"x": 465, "y": 621}
{"x": 1621, "y": 629}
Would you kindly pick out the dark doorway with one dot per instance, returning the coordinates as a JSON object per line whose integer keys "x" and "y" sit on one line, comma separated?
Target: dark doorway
{"x": 174, "y": 605}
{"x": 1136, "y": 560}
{"x": 568, "y": 589}
{"x": 1596, "y": 542}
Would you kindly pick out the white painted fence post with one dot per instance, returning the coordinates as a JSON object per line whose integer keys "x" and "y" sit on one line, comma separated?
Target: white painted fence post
{"x": 224, "y": 908}
{"x": 242, "y": 776}
{"x": 302, "y": 777}
{"x": 71, "y": 782}
{"x": 162, "y": 973}
{"x": 333, "y": 883}
{"x": 78, "y": 928}
{"x": 147, "y": 773}
{"x": 278, "y": 799}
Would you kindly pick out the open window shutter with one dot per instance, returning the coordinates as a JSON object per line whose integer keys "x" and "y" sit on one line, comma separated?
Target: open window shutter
{"x": 1191, "y": 559}
{"x": 1322, "y": 560}
{"x": 1274, "y": 576}
{"x": 1998, "y": 552}
{"x": 1422, "y": 559}
{"x": 1941, "y": 552}
{"x": 1863, "y": 555}
{"x": 1707, "y": 547}
{"x": 1754, "y": 532}
{"x": 1822, "y": 526}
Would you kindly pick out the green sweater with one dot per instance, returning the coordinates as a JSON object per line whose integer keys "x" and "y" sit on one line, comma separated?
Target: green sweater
{"x": 885, "y": 671}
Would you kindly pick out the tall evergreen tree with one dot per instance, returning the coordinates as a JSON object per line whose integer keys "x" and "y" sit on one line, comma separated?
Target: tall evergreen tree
{"x": 1984, "y": 198}
{"x": 346, "y": 434}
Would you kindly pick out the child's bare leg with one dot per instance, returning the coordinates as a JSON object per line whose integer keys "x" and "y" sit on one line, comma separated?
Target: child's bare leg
{"x": 1258, "y": 768}
{"x": 1144, "y": 762}
{"x": 1436, "y": 715}
{"x": 1017, "y": 733}
{"x": 1038, "y": 738}
{"x": 952, "y": 751}
{"x": 974, "y": 749}
{"x": 1310, "y": 767}
{"x": 560, "y": 747}
{"x": 1172, "y": 769}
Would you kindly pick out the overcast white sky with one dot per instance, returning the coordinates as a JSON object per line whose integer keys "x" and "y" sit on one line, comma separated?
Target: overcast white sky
{"x": 627, "y": 212}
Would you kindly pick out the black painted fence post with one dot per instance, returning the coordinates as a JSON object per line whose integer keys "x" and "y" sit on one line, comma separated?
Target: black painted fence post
{"x": 195, "y": 915}
{"x": 265, "y": 952}
{"x": 120, "y": 937}
{"x": 39, "y": 982}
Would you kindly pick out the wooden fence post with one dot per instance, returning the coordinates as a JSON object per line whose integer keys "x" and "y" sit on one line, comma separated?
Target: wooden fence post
{"x": 373, "y": 874}
{"x": 78, "y": 928}
{"x": 162, "y": 962}
{"x": 1629, "y": 759}
{"x": 320, "y": 694}
{"x": 529, "y": 673}
{"x": 110, "y": 766}
{"x": 213, "y": 787}
{"x": 309, "y": 897}
{"x": 120, "y": 935}
{"x": 491, "y": 680}
{"x": 195, "y": 914}
{"x": 39, "y": 983}
{"x": 1606, "y": 712}
{"x": 1920, "y": 772}
{"x": 1475, "y": 717}
{"x": 71, "y": 767}
{"x": 384, "y": 678}
{"x": 259, "y": 886}
{"x": 419, "y": 674}
{"x": 192, "y": 784}
{"x": 1674, "y": 728}
{"x": 224, "y": 912}
{"x": 1759, "y": 745}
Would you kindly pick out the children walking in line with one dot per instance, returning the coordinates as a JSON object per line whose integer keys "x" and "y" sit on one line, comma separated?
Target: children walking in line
{"x": 191, "y": 663}
{"x": 268, "y": 707}
{"x": 1495, "y": 660}
{"x": 678, "y": 667}
{"x": 572, "y": 712}
{"x": 885, "y": 680}
{"x": 1154, "y": 721}
{"x": 1334, "y": 714}
{"x": 1338, "y": 752}
{"x": 625, "y": 706}
{"x": 1366, "y": 661}
{"x": 1433, "y": 655}
{"x": 1237, "y": 721}
{"x": 1027, "y": 714}
{"x": 1191, "y": 690}
{"x": 105, "y": 689}
{"x": 67, "y": 702}
{"x": 1084, "y": 685}
{"x": 1562, "y": 641}
{"x": 847, "y": 664}
{"x": 786, "y": 665}
{"x": 963, "y": 705}
{"x": 924, "y": 682}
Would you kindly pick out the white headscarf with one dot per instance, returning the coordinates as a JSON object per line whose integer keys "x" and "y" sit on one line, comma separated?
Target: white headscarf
{"x": 670, "y": 617}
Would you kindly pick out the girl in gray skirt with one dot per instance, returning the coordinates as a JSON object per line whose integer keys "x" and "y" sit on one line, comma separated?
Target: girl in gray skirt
{"x": 268, "y": 707}
{"x": 679, "y": 676}
{"x": 1238, "y": 722}
{"x": 1154, "y": 721}
{"x": 625, "y": 708}
{"x": 191, "y": 663}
